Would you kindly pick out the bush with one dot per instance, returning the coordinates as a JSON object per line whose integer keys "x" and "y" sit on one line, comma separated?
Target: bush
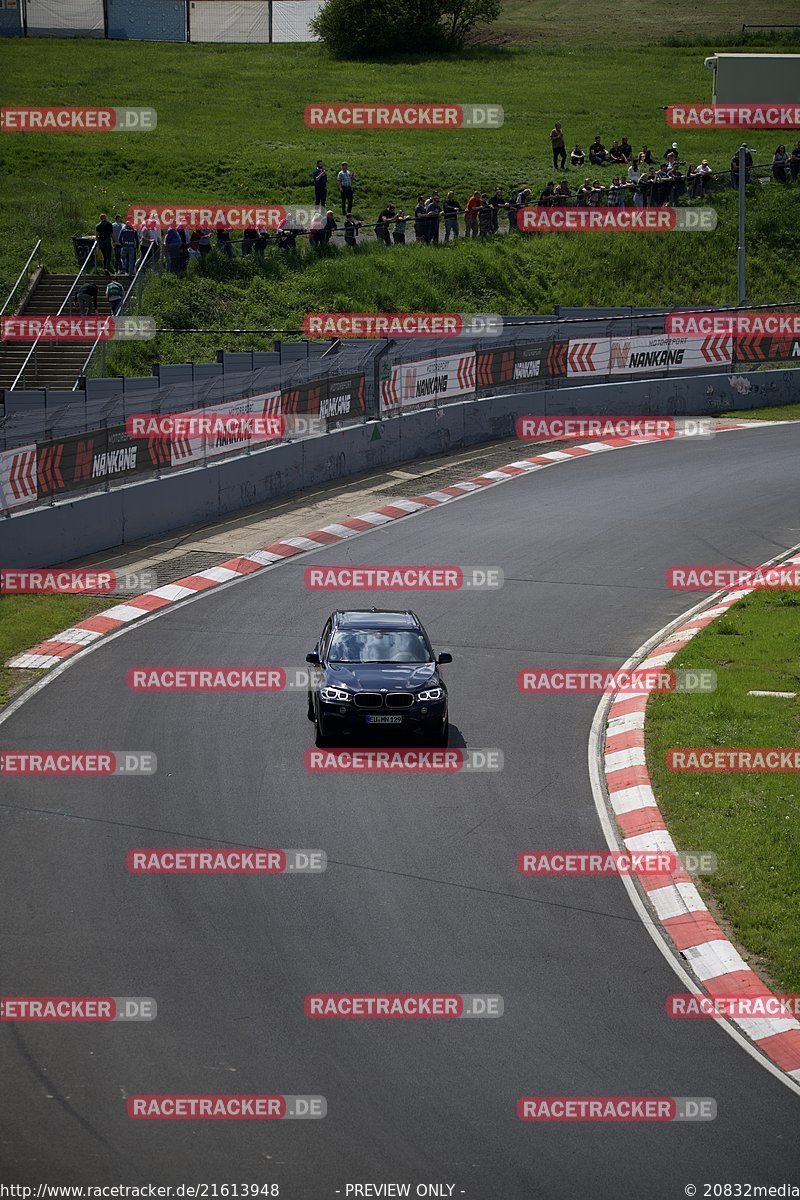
{"x": 380, "y": 28}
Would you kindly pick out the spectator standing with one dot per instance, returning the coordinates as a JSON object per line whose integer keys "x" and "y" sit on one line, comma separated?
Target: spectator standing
{"x": 577, "y": 157}
{"x": 780, "y": 163}
{"x": 517, "y": 200}
{"x": 597, "y": 153}
{"x": 259, "y": 246}
{"x": 584, "y": 192}
{"x": 204, "y": 244}
{"x": 346, "y": 179}
{"x": 329, "y": 227}
{"x": 471, "y": 215}
{"x": 558, "y": 146}
{"x": 87, "y": 300}
{"x": 249, "y": 238}
{"x": 224, "y": 243}
{"x": 129, "y": 244}
{"x": 547, "y": 196}
{"x": 385, "y": 217}
{"x": 320, "y": 176}
{"x": 562, "y": 193}
{"x": 173, "y": 247}
{"x": 496, "y": 202}
{"x": 433, "y": 211}
{"x": 634, "y": 173}
{"x": 351, "y": 228}
{"x": 794, "y": 162}
{"x": 115, "y": 294}
{"x": 703, "y": 178}
{"x": 399, "y": 232}
{"x": 118, "y": 225}
{"x": 485, "y": 216}
{"x": 451, "y": 210}
{"x": 105, "y": 240}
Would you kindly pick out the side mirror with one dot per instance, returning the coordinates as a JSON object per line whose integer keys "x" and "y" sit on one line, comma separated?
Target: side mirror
{"x": 444, "y": 657}
{"x": 313, "y": 658}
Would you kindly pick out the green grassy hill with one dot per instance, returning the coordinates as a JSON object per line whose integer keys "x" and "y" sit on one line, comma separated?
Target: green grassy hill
{"x": 231, "y": 129}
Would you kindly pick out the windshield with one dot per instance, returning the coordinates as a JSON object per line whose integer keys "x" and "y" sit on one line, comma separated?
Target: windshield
{"x": 379, "y": 646}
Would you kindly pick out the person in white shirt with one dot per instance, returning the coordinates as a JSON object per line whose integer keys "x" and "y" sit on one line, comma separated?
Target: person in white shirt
{"x": 634, "y": 173}
{"x": 346, "y": 179}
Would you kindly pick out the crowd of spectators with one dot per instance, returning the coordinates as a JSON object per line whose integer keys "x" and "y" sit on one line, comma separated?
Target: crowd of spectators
{"x": 640, "y": 179}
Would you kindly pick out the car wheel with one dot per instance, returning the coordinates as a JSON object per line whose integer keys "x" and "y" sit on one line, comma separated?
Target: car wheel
{"x": 320, "y": 739}
{"x": 443, "y": 737}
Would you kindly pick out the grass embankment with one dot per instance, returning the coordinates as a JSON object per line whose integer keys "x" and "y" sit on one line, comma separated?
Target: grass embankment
{"x": 27, "y": 620}
{"x": 231, "y": 129}
{"x": 752, "y": 822}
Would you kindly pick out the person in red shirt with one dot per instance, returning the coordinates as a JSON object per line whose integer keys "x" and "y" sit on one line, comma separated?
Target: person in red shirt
{"x": 471, "y": 215}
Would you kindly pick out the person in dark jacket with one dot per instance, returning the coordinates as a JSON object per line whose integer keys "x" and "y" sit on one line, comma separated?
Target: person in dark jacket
{"x": 105, "y": 240}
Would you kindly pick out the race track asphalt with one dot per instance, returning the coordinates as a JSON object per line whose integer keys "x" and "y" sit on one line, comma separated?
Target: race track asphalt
{"x": 421, "y": 893}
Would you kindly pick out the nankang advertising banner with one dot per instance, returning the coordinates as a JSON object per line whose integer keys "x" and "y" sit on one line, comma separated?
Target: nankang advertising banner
{"x": 428, "y": 380}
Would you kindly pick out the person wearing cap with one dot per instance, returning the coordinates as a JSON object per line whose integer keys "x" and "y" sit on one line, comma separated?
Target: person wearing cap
{"x": 671, "y": 153}
{"x": 702, "y": 177}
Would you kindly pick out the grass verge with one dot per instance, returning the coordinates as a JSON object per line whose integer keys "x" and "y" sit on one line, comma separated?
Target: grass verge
{"x": 751, "y": 822}
{"x": 27, "y": 620}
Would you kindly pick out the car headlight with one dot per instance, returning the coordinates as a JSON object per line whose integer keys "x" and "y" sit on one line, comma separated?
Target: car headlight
{"x": 431, "y": 694}
{"x": 334, "y": 694}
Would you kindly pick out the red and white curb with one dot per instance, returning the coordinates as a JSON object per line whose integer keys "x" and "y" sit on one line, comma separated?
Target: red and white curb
{"x": 674, "y": 902}
{"x": 77, "y": 637}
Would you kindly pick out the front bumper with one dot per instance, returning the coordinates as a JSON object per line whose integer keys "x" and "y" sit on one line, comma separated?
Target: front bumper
{"x": 416, "y": 721}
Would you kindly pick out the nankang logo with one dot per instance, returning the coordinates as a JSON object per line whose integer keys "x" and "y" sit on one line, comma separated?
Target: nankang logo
{"x": 112, "y": 461}
{"x": 335, "y": 406}
{"x": 656, "y": 358}
{"x": 526, "y": 370}
{"x": 432, "y": 386}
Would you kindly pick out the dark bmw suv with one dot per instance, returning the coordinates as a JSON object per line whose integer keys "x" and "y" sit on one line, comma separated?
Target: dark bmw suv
{"x": 376, "y": 671}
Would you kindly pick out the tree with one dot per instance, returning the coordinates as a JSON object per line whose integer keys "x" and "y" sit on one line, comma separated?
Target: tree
{"x": 377, "y": 28}
{"x": 461, "y": 16}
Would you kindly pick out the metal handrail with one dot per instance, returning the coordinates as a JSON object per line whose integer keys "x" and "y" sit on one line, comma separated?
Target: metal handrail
{"x": 67, "y": 298}
{"x": 19, "y": 280}
{"x": 131, "y": 286}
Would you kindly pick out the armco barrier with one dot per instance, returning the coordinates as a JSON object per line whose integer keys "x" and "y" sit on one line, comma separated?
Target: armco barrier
{"x": 73, "y": 528}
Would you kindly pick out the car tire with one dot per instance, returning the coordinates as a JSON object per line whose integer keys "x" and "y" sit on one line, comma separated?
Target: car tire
{"x": 310, "y": 712}
{"x": 320, "y": 739}
{"x": 443, "y": 737}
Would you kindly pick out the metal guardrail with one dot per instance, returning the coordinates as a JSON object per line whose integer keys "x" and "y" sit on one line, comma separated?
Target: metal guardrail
{"x": 89, "y": 258}
{"x": 134, "y": 278}
{"x": 22, "y": 273}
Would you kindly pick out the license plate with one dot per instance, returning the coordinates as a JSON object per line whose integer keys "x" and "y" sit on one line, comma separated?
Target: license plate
{"x": 385, "y": 720}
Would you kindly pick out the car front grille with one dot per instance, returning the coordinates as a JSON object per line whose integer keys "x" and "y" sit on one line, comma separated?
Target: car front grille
{"x": 368, "y": 700}
{"x": 399, "y": 700}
